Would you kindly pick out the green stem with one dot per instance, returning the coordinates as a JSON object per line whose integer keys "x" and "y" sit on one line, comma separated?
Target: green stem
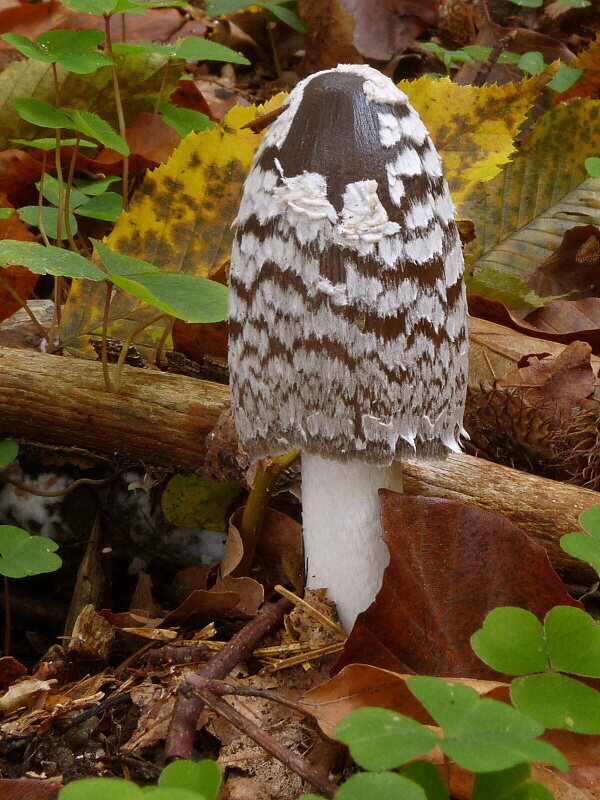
{"x": 72, "y": 241}
{"x": 127, "y": 344}
{"x": 13, "y": 293}
{"x": 7, "y": 618}
{"x": 119, "y": 108}
{"x": 267, "y": 472}
{"x": 276, "y": 62}
{"x": 163, "y": 85}
{"x": 41, "y": 201}
{"x": 104, "y": 353}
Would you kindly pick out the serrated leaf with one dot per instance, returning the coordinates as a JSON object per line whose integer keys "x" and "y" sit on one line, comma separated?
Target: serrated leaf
{"x": 22, "y": 554}
{"x": 185, "y": 120}
{"x": 51, "y": 260}
{"x": 140, "y": 80}
{"x": 95, "y": 127}
{"x": 285, "y": 15}
{"x": 194, "y": 48}
{"x": 473, "y": 128}
{"x": 180, "y": 220}
{"x": 27, "y": 47}
{"x": 557, "y": 701}
{"x": 522, "y": 215}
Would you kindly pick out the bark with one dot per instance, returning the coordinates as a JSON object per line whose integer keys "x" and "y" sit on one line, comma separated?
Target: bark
{"x": 166, "y": 421}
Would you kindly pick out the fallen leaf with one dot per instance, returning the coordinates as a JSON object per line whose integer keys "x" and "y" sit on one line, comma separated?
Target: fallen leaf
{"x": 573, "y": 268}
{"x": 450, "y": 564}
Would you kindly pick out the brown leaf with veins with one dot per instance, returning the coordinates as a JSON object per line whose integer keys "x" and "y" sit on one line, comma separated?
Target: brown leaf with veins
{"x": 572, "y": 269}
{"x": 450, "y": 564}
{"x": 20, "y": 279}
{"x": 561, "y": 382}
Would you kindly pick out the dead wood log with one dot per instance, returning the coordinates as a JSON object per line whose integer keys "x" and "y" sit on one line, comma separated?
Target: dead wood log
{"x": 165, "y": 420}
{"x": 542, "y": 508}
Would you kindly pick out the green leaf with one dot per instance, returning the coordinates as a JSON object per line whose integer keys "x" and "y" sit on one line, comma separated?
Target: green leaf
{"x": 95, "y": 187}
{"x": 9, "y": 450}
{"x": 477, "y": 51}
{"x": 48, "y": 143}
{"x": 204, "y": 777}
{"x": 73, "y": 49}
{"x": 577, "y": 3}
{"x": 494, "y": 284}
{"x": 94, "y": 126}
{"x": 107, "y": 206}
{"x": 218, "y": 8}
{"x": 511, "y": 641}
{"x": 31, "y": 214}
{"x": 593, "y": 167}
{"x": 587, "y": 548}
{"x": 187, "y": 297}
{"x": 184, "y": 120}
{"x": 532, "y": 63}
{"x": 194, "y": 48}
{"x": 6, "y": 213}
{"x": 557, "y": 701}
{"x": 573, "y": 641}
{"x": 51, "y": 260}
{"x": 379, "y": 786}
{"x": 380, "y": 739}
{"x": 101, "y": 789}
{"x": 27, "y": 47}
{"x": 509, "y": 784}
{"x": 428, "y": 778}
{"x": 482, "y": 735}
{"x": 170, "y": 794}
{"x": 22, "y": 555}
{"x": 51, "y": 193}
{"x": 590, "y": 520}
{"x": 92, "y": 6}
{"x": 528, "y": 3}
{"x": 565, "y": 78}
{"x": 190, "y": 502}
{"x": 285, "y": 15}
{"x": 41, "y": 113}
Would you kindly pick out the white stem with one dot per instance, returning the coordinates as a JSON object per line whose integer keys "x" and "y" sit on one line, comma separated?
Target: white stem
{"x": 343, "y": 544}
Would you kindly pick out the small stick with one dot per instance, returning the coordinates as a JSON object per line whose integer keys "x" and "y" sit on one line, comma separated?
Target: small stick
{"x": 279, "y": 751}
{"x": 188, "y": 706}
{"x": 321, "y": 618}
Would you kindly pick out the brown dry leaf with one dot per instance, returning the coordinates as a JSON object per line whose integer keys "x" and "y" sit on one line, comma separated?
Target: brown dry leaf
{"x": 250, "y": 593}
{"x": 560, "y": 382}
{"x": 19, "y": 278}
{"x": 197, "y": 340}
{"x": 142, "y": 599}
{"x": 156, "y": 705}
{"x": 202, "y": 606}
{"x": 450, "y": 564}
{"x": 494, "y": 311}
{"x": 588, "y": 84}
{"x": 30, "y": 788}
{"x": 580, "y": 318}
{"x": 10, "y": 671}
{"x": 160, "y": 24}
{"x": 149, "y": 136}
{"x": 359, "y": 685}
{"x": 18, "y": 171}
{"x": 92, "y": 636}
{"x": 572, "y": 268}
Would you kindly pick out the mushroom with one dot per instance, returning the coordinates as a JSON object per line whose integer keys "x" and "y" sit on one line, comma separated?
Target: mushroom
{"x": 347, "y": 317}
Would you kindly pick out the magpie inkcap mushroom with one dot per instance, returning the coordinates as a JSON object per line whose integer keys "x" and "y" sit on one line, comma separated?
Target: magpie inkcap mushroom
{"x": 348, "y": 322}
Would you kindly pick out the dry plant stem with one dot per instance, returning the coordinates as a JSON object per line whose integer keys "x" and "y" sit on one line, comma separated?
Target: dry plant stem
{"x": 127, "y": 344}
{"x": 276, "y": 62}
{"x": 7, "y": 618}
{"x": 166, "y": 333}
{"x": 279, "y": 751}
{"x": 79, "y": 482}
{"x": 188, "y": 706}
{"x": 313, "y": 612}
{"x": 13, "y": 293}
{"x": 119, "y": 108}
{"x": 267, "y": 472}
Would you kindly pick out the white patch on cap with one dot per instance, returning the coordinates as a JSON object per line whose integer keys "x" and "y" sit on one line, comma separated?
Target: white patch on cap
{"x": 420, "y": 213}
{"x": 364, "y": 219}
{"x": 392, "y": 129}
{"x": 305, "y": 194}
{"x": 432, "y": 163}
{"x": 407, "y": 163}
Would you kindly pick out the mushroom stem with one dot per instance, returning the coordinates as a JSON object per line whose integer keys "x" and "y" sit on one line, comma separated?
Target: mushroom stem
{"x": 343, "y": 545}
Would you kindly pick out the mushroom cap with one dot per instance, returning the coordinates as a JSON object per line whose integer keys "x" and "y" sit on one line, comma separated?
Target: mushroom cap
{"x": 348, "y": 334}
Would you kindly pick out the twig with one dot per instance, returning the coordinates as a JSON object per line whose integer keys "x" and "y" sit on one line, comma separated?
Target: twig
{"x": 279, "y": 751}
{"x": 61, "y": 492}
{"x": 313, "y": 612}
{"x": 188, "y": 706}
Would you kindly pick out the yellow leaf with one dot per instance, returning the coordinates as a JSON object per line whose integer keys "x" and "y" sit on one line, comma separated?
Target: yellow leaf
{"x": 521, "y": 215}
{"x": 180, "y": 220}
{"x": 473, "y": 128}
